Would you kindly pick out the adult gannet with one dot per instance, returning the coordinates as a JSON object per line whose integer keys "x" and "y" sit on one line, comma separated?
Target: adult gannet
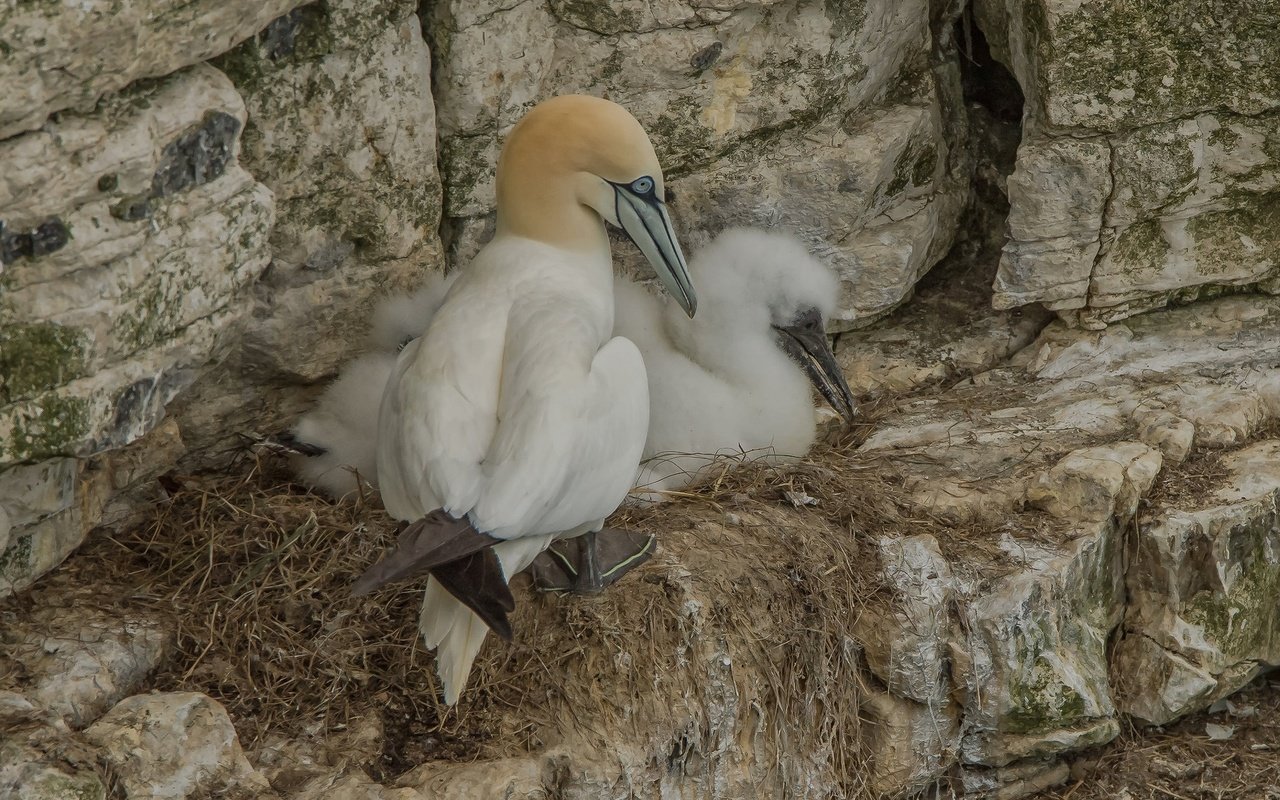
{"x": 516, "y": 419}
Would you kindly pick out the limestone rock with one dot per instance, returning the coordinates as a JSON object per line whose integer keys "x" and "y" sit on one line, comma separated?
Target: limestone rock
{"x": 1039, "y": 594}
{"x": 130, "y": 237}
{"x": 37, "y": 547}
{"x": 1203, "y": 619}
{"x": 175, "y": 745}
{"x": 911, "y": 745}
{"x": 905, "y": 646}
{"x": 1097, "y": 483}
{"x": 1013, "y": 782}
{"x": 25, "y": 775}
{"x": 60, "y": 56}
{"x": 1032, "y": 664}
{"x": 517, "y": 778}
{"x": 342, "y": 130}
{"x": 159, "y": 230}
{"x": 1142, "y": 178}
{"x": 1170, "y": 434}
{"x": 39, "y": 762}
{"x": 15, "y": 708}
{"x": 83, "y": 663}
{"x": 946, "y": 333}
{"x": 357, "y": 786}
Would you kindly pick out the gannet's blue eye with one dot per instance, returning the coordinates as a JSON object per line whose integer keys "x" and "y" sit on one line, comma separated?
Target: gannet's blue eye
{"x": 642, "y": 186}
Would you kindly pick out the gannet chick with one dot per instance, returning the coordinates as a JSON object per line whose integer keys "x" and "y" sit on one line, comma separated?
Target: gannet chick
{"x": 516, "y": 419}
{"x": 739, "y": 378}
{"x": 333, "y": 444}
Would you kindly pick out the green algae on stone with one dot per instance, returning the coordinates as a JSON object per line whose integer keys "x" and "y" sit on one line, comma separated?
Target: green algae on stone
{"x": 1242, "y": 620}
{"x": 59, "y": 786}
{"x": 1142, "y": 247}
{"x": 1238, "y": 237}
{"x": 15, "y": 560}
{"x": 594, "y": 16}
{"x": 38, "y": 356}
{"x": 49, "y": 425}
{"x": 1111, "y": 66}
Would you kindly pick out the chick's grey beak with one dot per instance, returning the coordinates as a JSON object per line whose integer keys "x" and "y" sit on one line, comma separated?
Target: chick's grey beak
{"x": 645, "y": 220}
{"x": 805, "y": 340}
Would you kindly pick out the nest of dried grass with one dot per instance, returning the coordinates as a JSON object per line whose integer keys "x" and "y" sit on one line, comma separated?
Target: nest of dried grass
{"x": 255, "y": 571}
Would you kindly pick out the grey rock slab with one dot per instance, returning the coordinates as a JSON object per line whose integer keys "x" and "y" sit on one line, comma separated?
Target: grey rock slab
{"x": 1152, "y": 136}
{"x": 356, "y": 785}
{"x": 60, "y": 56}
{"x": 165, "y": 231}
{"x": 175, "y": 745}
{"x": 1203, "y": 618}
{"x": 82, "y": 663}
{"x": 905, "y": 643}
{"x": 912, "y": 745}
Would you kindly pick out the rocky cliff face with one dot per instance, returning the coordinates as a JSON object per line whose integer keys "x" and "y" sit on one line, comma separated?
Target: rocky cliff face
{"x": 1149, "y": 167}
{"x": 191, "y": 242}
{"x": 199, "y": 201}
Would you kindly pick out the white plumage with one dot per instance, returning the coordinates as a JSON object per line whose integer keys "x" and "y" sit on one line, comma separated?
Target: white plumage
{"x": 725, "y": 383}
{"x": 720, "y": 384}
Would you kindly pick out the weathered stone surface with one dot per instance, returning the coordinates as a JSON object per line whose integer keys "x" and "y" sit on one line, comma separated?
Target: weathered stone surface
{"x": 1203, "y": 618}
{"x": 1032, "y": 665}
{"x": 1147, "y": 172}
{"x": 947, "y": 332}
{"x": 1097, "y": 483}
{"x": 64, "y": 515}
{"x": 1015, "y": 781}
{"x": 905, "y": 646}
{"x": 1107, "y": 67}
{"x": 27, "y": 775}
{"x": 825, "y": 118}
{"x": 342, "y": 130}
{"x": 175, "y": 745}
{"x": 81, "y": 663}
{"x": 516, "y": 778}
{"x": 1040, "y": 594}
{"x": 872, "y": 197}
{"x": 101, "y": 327}
{"x": 300, "y": 764}
{"x": 39, "y": 761}
{"x": 357, "y": 785}
{"x": 108, "y": 326}
{"x": 59, "y": 56}
{"x": 911, "y": 745}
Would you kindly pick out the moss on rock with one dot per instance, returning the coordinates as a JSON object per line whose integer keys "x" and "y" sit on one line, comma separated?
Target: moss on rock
{"x": 38, "y": 356}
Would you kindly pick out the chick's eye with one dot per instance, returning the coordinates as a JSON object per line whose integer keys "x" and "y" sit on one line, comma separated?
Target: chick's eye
{"x": 642, "y": 185}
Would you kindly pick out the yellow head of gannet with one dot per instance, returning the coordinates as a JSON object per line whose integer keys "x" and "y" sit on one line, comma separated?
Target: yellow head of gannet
{"x": 575, "y": 159}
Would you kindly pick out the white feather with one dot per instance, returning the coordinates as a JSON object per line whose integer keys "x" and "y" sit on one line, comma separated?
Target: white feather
{"x": 523, "y": 416}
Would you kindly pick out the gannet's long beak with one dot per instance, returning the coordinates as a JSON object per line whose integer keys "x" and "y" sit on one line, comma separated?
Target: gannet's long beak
{"x": 643, "y": 216}
{"x": 805, "y": 340}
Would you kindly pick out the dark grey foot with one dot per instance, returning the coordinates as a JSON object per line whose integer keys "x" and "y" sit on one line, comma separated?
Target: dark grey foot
{"x": 591, "y": 562}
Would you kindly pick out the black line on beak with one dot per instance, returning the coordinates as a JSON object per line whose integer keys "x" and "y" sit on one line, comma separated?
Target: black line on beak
{"x": 805, "y": 341}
